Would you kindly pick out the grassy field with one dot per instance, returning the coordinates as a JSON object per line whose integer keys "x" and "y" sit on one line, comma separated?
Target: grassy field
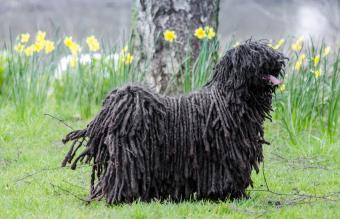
{"x": 33, "y": 184}
{"x": 301, "y": 175}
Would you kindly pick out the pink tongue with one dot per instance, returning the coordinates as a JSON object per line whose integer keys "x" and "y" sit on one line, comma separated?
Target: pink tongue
{"x": 274, "y": 80}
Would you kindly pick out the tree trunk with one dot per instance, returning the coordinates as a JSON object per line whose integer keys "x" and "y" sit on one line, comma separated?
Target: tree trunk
{"x": 159, "y": 58}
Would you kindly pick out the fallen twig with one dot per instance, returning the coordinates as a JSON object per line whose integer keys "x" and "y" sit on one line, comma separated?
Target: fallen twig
{"x": 60, "y": 120}
{"x": 70, "y": 193}
{"x": 303, "y": 197}
{"x": 35, "y": 173}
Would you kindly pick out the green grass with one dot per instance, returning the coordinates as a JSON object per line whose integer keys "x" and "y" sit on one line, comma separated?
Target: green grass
{"x": 33, "y": 146}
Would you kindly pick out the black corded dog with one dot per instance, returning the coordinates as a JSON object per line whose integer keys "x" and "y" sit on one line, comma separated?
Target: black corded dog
{"x": 144, "y": 146}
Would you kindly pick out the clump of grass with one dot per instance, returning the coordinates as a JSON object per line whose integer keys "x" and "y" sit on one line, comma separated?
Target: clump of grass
{"x": 27, "y": 81}
{"x": 87, "y": 83}
{"x": 2, "y": 69}
{"x": 197, "y": 72}
{"x": 310, "y": 101}
{"x": 27, "y": 73}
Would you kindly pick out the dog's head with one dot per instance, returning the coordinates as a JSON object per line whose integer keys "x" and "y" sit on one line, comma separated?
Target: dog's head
{"x": 253, "y": 65}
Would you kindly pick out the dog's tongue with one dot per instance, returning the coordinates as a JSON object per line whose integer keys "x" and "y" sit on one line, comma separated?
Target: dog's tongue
{"x": 274, "y": 80}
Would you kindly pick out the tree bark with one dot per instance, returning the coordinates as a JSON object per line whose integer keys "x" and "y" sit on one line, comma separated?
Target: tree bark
{"x": 159, "y": 58}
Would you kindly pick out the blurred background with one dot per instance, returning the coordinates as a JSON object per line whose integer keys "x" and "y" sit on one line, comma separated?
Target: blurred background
{"x": 110, "y": 20}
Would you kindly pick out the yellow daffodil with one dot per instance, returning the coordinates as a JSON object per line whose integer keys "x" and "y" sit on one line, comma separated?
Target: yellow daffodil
{"x": 326, "y": 51}
{"x": 72, "y": 46}
{"x": 298, "y": 65}
{"x": 299, "y": 62}
{"x": 125, "y": 49}
{"x": 316, "y": 60}
{"x": 75, "y": 48}
{"x": 200, "y": 33}
{"x": 38, "y": 46}
{"x": 29, "y": 50}
{"x": 282, "y": 87}
{"x": 19, "y": 48}
{"x": 68, "y": 41}
{"x": 302, "y": 57}
{"x": 210, "y": 32}
{"x": 92, "y": 43}
{"x": 73, "y": 61}
{"x": 279, "y": 44}
{"x": 317, "y": 73}
{"x": 49, "y": 46}
{"x": 40, "y": 37}
{"x": 169, "y": 35}
{"x": 128, "y": 59}
{"x": 24, "y": 38}
{"x": 297, "y": 45}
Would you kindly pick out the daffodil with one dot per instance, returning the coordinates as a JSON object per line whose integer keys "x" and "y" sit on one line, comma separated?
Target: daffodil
{"x": 24, "y": 38}
{"x": 169, "y": 35}
{"x": 92, "y": 43}
{"x": 38, "y": 46}
{"x": 317, "y": 73}
{"x": 326, "y": 51}
{"x": 282, "y": 87}
{"x": 72, "y": 46}
{"x": 298, "y": 65}
{"x": 75, "y": 49}
{"x": 125, "y": 49}
{"x": 302, "y": 57}
{"x": 40, "y": 37}
{"x": 279, "y": 44}
{"x": 19, "y": 48}
{"x": 316, "y": 60}
{"x": 49, "y": 46}
{"x": 128, "y": 59}
{"x": 29, "y": 51}
{"x": 297, "y": 45}
{"x": 200, "y": 33}
{"x": 73, "y": 61}
{"x": 210, "y": 32}
{"x": 68, "y": 41}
